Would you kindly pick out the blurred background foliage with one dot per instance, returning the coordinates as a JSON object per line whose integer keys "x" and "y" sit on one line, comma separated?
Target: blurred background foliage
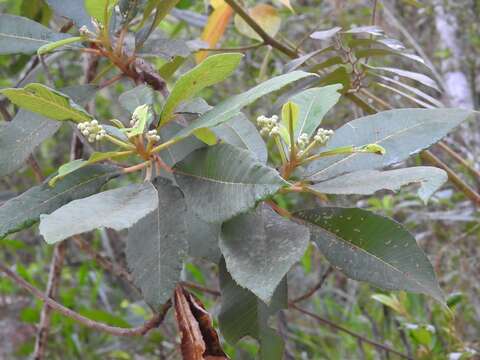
{"x": 447, "y": 228}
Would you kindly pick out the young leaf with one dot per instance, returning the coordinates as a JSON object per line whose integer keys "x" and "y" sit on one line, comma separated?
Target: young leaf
{"x": 117, "y": 209}
{"x": 222, "y": 181}
{"x": 98, "y": 8}
{"x": 260, "y": 247}
{"x": 72, "y": 9}
{"x": 314, "y": 103}
{"x": 51, "y": 103}
{"x": 367, "y": 182}
{"x": 24, "y": 210}
{"x": 45, "y": 49}
{"x": 401, "y": 132}
{"x": 242, "y": 133}
{"x": 22, "y": 35}
{"x": 20, "y": 137}
{"x": 243, "y": 314}
{"x": 372, "y": 248}
{"x": 289, "y": 120}
{"x": 212, "y": 70}
{"x": 157, "y": 246}
{"x": 227, "y": 109}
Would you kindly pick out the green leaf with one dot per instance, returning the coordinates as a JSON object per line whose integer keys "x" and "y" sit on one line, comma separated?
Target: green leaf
{"x": 117, "y": 209}
{"x": 177, "y": 152}
{"x": 314, "y": 103}
{"x": 243, "y": 314}
{"x": 259, "y": 249}
{"x": 372, "y": 248}
{"x": 20, "y": 137}
{"x": 144, "y": 116}
{"x": 22, "y": 35}
{"x": 229, "y": 108}
{"x": 367, "y": 182}
{"x": 157, "y": 245}
{"x": 421, "y": 78}
{"x": 242, "y": 133}
{"x": 72, "y": 9}
{"x": 45, "y": 101}
{"x": 212, "y": 70}
{"x": 206, "y": 135}
{"x": 77, "y": 164}
{"x": 325, "y": 34}
{"x": 97, "y": 8}
{"x": 203, "y": 238}
{"x": 401, "y": 132}
{"x": 222, "y": 181}
{"x": 138, "y": 96}
{"x": 289, "y": 119}
{"x": 45, "y": 49}
{"x": 24, "y": 210}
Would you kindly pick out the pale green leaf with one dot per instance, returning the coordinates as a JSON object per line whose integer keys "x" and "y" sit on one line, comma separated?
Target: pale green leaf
{"x": 45, "y": 49}
{"x": 229, "y": 108}
{"x": 242, "y": 133}
{"x": 314, "y": 103}
{"x": 25, "y": 209}
{"x": 260, "y": 247}
{"x": 222, "y": 181}
{"x": 22, "y": 35}
{"x": 72, "y": 9}
{"x": 372, "y": 248}
{"x": 117, "y": 209}
{"x": 210, "y": 71}
{"x": 138, "y": 96}
{"x": 48, "y": 102}
{"x": 98, "y": 8}
{"x": 367, "y": 182}
{"x": 20, "y": 137}
{"x": 401, "y": 132}
{"x": 157, "y": 246}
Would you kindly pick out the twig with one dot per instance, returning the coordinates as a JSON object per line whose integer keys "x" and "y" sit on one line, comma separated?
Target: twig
{"x": 235, "y": 49}
{"x": 51, "y": 292}
{"x": 459, "y": 159}
{"x": 267, "y": 39}
{"x": 104, "y": 262}
{"x": 200, "y": 288}
{"x": 351, "y": 333}
{"x": 459, "y": 183}
{"x": 315, "y": 288}
{"x": 154, "y": 322}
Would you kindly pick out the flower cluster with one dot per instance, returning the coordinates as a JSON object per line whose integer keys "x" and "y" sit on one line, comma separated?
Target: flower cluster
{"x": 322, "y": 136}
{"x": 153, "y": 136}
{"x": 268, "y": 125}
{"x": 92, "y": 130}
{"x": 303, "y": 141}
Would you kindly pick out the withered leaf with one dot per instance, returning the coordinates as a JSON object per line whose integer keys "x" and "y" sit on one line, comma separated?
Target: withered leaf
{"x": 199, "y": 338}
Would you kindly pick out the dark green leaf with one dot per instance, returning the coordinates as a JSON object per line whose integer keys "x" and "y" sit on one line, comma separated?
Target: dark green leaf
{"x": 157, "y": 245}
{"x": 22, "y": 35}
{"x": 259, "y": 249}
{"x": 222, "y": 181}
{"x": 402, "y": 132}
{"x": 203, "y": 238}
{"x": 138, "y": 96}
{"x": 242, "y": 133}
{"x": 243, "y": 314}
{"x": 372, "y": 248}
{"x": 117, "y": 209}
{"x": 24, "y": 210}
